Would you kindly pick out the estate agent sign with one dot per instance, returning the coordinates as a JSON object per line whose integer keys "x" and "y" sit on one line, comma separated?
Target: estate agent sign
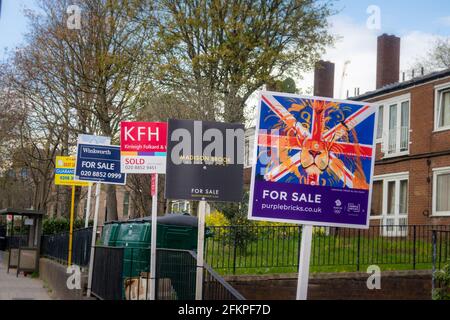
{"x": 314, "y": 160}
{"x": 98, "y": 162}
{"x": 204, "y": 161}
{"x": 64, "y": 172}
{"x": 143, "y": 147}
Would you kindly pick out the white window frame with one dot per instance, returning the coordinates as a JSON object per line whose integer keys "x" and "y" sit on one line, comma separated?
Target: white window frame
{"x": 437, "y": 102}
{"x": 399, "y": 100}
{"x": 180, "y": 206}
{"x": 397, "y": 178}
{"x": 380, "y": 140}
{"x": 437, "y": 172}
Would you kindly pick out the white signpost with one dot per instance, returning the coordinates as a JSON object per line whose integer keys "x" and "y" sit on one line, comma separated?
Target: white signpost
{"x": 143, "y": 147}
{"x": 91, "y": 139}
{"x": 88, "y": 206}
{"x": 200, "y": 250}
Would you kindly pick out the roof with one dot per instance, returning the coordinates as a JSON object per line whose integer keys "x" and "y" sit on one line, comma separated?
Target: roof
{"x": 171, "y": 219}
{"x": 21, "y": 212}
{"x": 403, "y": 85}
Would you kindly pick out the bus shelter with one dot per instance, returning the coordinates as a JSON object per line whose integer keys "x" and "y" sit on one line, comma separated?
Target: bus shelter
{"x": 23, "y": 248}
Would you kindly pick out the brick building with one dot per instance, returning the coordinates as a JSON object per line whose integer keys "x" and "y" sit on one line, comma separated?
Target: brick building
{"x": 412, "y": 168}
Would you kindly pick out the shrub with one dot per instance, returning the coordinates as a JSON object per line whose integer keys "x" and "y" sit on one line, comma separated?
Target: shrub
{"x": 216, "y": 219}
{"x": 61, "y": 224}
{"x": 319, "y": 231}
{"x": 442, "y": 278}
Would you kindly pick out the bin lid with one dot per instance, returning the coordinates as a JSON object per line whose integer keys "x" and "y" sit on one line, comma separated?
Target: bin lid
{"x": 174, "y": 219}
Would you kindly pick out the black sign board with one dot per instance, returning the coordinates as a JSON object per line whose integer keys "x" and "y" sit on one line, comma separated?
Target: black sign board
{"x": 204, "y": 161}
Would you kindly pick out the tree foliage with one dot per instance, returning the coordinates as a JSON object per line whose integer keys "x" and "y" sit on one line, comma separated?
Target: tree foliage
{"x": 222, "y": 51}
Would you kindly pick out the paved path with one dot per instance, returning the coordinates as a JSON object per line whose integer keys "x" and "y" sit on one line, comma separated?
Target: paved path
{"x": 21, "y": 288}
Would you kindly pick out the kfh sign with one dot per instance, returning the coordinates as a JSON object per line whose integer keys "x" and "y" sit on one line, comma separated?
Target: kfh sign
{"x": 204, "y": 161}
{"x": 314, "y": 161}
{"x": 143, "y": 147}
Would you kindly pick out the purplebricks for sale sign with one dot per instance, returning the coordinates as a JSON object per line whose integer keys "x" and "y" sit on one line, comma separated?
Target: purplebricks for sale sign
{"x": 313, "y": 161}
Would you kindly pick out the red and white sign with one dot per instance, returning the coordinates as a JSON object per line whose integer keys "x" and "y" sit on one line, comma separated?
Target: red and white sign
{"x": 153, "y": 185}
{"x": 143, "y": 147}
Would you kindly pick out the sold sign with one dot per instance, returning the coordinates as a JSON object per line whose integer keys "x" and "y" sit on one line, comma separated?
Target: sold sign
{"x": 143, "y": 147}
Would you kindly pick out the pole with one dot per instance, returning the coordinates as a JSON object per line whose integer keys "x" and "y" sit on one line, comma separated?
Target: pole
{"x": 154, "y": 191}
{"x": 88, "y": 205}
{"x": 94, "y": 233}
{"x": 303, "y": 265}
{"x": 72, "y": 210}
{"x": 200, "y": 249}
{"x": 433, "y": 272}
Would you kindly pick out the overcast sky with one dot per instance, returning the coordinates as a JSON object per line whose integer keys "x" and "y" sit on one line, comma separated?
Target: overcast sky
{"x": 418, "y": 23}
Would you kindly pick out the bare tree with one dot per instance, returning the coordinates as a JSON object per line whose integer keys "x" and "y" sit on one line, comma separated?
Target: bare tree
{"x": 437, "y": 58}
{"x": 88, "y": 80}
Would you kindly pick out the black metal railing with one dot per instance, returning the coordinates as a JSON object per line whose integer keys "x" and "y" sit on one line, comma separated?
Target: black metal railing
{"x": 253, "y": 249}
{"x": 175, "y": 275}
{"x": 129, "y": 278}
{"x": 216, "y": 288}
{"x": 14, "y": 242}
{"x": 107, "y": 276}
{"x": 56, "y": 246}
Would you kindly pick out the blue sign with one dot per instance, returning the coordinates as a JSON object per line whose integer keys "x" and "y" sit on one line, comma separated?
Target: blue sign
{"x": 314, "y": 161}
{"x": 99, "y": 163}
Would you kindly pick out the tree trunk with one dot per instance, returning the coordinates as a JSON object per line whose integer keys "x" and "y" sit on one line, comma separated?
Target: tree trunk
{"x": 234, "y": 108}
{"x": 134, "y": 208}
{"x": 111, "y": 203}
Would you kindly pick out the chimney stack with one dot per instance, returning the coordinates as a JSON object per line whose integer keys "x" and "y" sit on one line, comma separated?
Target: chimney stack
{"x": 324, "y": 79}
{"x": 388, "y": 60}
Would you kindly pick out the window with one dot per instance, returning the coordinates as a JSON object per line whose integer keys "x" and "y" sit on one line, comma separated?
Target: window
{"x": 442, "y": 108}
{"x": 380, "y": 122}
{"x": 393, "y": 126}
{"x": 377, "y": 199}
{"x": 404, "y": 126}
{"x": 441, "y": 192}
{"x": 181, "y": 206}
{"x": 390, "y": 204}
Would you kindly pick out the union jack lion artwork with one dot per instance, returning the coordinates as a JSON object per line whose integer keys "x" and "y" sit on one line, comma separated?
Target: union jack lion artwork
{"x": 315, "y": 142}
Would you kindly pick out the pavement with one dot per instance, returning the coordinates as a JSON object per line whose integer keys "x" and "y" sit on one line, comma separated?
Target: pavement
{"x": 21, "y": 288}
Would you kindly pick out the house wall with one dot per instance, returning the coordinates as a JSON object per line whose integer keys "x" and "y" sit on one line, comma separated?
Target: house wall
{"x": 421, "y": 161}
